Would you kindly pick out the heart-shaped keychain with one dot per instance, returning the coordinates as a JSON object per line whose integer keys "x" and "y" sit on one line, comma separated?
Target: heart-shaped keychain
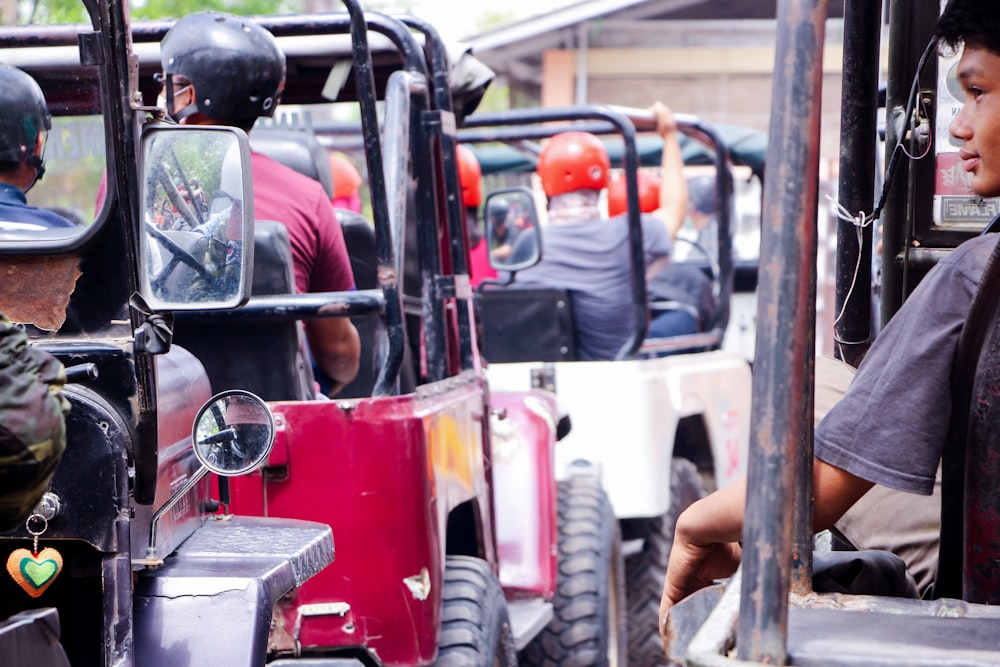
{"x": 35, "y": 570}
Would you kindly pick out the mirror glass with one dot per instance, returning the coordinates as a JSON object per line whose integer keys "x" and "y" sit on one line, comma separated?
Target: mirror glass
{"x": 233, "y": 433}
{"x": 196, "y": 227}
{"x": 64, "y": 202}
{"x": 512, "y": 229}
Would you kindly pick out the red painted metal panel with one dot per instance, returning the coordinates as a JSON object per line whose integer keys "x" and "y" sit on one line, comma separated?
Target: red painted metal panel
{"x": 523, "y": 476}
{"x": 383, "y": 473}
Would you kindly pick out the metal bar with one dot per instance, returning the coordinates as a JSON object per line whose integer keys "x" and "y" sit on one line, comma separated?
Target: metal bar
{"x": 506, "y": 127}
{"x": 692, "y": 342}
{"x": 429, "y": 246}
{"x": 787, "y": 279}
{"x": 449, "y": 200}
{"x": 856, "y": 187}
{"x": 285, "y": 307}
{"x": 631, "y": 158}
{"x": 910, "y": 26}
{"x": 364, "y": 76}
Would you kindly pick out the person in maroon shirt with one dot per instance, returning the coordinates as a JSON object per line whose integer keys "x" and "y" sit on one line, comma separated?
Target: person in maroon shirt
{"x": 221, "y": 69}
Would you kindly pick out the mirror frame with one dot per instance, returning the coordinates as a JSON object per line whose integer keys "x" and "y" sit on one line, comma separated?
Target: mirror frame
{"x": 262, "y": 457}
{"x": 155, "y": 130}
{"x": 488, "y": 226}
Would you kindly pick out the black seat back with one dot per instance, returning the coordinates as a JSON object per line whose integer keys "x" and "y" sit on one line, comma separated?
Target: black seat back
{"x": 296, "y": 149}
{"x": 527, "y": 324}
{"x": 359, "y": 237}
{"x": 267, "y": 358}
{"x": 301, "y": 151}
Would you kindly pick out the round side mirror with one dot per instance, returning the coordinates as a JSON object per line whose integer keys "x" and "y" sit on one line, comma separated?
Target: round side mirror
{"x": 233, "y": 433}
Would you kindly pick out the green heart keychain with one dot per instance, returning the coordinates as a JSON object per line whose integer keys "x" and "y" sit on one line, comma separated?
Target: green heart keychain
{"x": 35, "y": 570}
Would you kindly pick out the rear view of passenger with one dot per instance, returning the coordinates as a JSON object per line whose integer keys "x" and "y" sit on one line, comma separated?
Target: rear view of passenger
{"x": 220, "y": 69}
{"x": 470, "y": 177}
{"x": 587, "y": 254}
{"x": 681, "y": 297}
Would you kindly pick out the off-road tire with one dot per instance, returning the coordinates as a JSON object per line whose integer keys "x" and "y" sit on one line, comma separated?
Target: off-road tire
{"x": 589, "y": 628}
{"x": 644, "y": 571}
{"x": 475, "y": 627}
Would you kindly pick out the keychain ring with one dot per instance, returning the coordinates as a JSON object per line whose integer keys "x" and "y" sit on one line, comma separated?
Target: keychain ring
{"x": 45, "y": 524}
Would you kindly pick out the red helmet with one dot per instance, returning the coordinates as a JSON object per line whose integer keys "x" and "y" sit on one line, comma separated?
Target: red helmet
{"x": 470, "y": 177}
{"x": 346, "y": 179}
{"x": 573, "y": 161}
{"x": 649, "y": 194}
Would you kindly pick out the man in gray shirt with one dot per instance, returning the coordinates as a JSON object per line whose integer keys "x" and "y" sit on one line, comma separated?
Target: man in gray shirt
{"x": 587, "y": 254}
{"x": 865, "y": 439}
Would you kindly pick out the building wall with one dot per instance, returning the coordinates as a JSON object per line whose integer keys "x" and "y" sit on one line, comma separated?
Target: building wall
{"x": 719, "y": 85}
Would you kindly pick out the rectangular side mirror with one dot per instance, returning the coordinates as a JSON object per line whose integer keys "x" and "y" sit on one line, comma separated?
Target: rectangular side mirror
{"x": 512, "y": 232}
{"x": 196, "y": 243}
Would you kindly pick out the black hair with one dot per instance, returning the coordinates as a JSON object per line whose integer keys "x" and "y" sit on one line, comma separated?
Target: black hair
{"x": 970, "y": 22}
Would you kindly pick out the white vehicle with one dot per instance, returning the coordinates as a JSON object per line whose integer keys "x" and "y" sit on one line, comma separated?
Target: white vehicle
{"x": 655, "y": 429}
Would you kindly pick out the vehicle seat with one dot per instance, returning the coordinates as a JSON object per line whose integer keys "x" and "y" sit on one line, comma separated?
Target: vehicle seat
{"x": 301, "y": 151}
{"x": 266, "y": 358}
{"x": 527, "y": 324}
{"x": 32, "y": 638}
{"x": 296, "y": 149}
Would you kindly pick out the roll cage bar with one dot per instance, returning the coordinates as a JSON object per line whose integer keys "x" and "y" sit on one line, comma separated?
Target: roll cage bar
{"x": 536, "y": 124}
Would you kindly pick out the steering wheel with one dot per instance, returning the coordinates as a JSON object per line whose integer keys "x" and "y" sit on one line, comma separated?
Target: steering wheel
{"x": 178, "y": 256}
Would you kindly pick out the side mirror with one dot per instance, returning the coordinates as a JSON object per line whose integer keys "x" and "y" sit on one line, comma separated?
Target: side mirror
{"x": 512, "y": 230}
{"x": 197, "y": 217}
{"x": 233, "y": 433}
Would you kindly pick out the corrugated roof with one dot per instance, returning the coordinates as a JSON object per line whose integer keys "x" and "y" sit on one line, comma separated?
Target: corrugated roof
{"x": 572, "y": 15}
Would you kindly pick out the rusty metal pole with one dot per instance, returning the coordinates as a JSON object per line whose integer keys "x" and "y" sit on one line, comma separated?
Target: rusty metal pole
{"x": 786, "y": 320}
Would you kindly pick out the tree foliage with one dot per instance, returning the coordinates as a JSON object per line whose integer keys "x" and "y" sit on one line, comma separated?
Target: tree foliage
{"x": 73, "y": 11}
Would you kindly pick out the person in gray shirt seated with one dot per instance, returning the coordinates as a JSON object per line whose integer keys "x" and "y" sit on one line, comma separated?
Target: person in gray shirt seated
{"x": 588, "y": 254}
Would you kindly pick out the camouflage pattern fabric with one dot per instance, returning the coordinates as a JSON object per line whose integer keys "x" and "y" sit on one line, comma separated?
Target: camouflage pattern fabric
{"x": 32, "y": 426}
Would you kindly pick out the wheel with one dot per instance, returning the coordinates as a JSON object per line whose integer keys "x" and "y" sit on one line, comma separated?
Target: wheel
{"x": 588, "y": 629}
{"x": 645, "y": 570}
{"x": 475, "y": 628}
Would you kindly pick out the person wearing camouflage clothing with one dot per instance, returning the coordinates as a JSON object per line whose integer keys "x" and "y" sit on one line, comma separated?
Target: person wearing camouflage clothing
{"x": 32, "y": 426}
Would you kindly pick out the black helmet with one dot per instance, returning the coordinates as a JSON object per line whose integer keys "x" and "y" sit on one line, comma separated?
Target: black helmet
{"x": 23, "y": 114}
{"x": 497, "y": 209}
{"x": 236, "y": 67}
{"x": 702, "y": 193}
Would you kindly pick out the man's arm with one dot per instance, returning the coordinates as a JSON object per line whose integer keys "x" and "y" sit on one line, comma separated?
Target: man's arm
{"x": 673, "y": 184}
{"x": 706, "y": 548}
{"x": 336, "y": 349}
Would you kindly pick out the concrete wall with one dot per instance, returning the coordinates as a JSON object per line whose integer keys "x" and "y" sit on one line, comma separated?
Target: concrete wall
{"x": 718, "y": 84}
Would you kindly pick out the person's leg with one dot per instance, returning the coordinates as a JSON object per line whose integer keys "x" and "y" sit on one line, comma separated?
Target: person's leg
{"x": 672, "y": 323}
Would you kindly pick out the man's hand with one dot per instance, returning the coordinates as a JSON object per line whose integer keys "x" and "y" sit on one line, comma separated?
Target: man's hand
{"x": 665, "y": 123}
{"x": 693, "y": 567}
{"x": 336, "y": 349}
{"x": 705, "y": 545}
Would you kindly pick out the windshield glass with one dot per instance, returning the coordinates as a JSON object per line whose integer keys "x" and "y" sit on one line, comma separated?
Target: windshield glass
{"x": 65, "y": 200}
